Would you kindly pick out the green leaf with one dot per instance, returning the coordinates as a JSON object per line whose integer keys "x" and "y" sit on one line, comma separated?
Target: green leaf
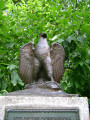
{"x": 89, "y": 100}
{"x": 64, "y": 85}
{"x": 5, "y": 8}
{"x": 1, "y": 75}
{"x": 76, "y": 83}
{"x": 80, "y": 38}
{"x": 4, "y": 85}
{"x": 3, "y": 92}
{"x": 81, "y": 63}
{"x": 15, "y": 78}
{"x": 86, "y": 28}
{"x": 70, "y": 38}
{"x": 60, "y": 40}
{"x": 69, "y": 9}
{"x": 55, "y": 37}
{"x": 2, "y": 3}
{"x": 12, "y": 67}
{"x": 4, "y": 63}
{"x": 20, "y": 82}
{"x": 9, "y": 45}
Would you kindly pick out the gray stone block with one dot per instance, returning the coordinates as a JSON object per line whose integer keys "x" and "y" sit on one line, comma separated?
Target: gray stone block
{"x": 26, "y": 102}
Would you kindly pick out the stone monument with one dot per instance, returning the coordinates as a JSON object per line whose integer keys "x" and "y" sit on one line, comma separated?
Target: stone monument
{"x": 42, "y": 68}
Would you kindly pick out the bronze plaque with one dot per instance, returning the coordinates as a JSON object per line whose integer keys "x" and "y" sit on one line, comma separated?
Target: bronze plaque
{"x": 42, "y": 114}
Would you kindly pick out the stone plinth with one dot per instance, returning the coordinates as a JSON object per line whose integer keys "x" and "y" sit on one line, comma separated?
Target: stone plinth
{"x": 26, "y": 102}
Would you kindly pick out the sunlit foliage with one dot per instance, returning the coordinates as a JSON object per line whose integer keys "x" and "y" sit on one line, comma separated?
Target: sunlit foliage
{"x": 64, "y": 21}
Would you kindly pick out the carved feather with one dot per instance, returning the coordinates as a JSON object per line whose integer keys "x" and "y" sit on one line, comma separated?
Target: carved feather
{"x": 26, "y": 63}
{"x": 57, "y": 54}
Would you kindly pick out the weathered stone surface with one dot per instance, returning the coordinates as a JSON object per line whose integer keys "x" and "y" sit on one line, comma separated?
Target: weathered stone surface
{"x": 26, "y": 102}
{"x": 48, "y": 88}
{"x": 41, "y": 92}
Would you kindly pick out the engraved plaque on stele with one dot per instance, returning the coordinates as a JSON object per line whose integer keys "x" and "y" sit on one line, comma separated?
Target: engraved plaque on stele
{"x": 42, "y": 114}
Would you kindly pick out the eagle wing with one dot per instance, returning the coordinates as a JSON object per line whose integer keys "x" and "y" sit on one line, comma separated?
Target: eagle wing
{"x": 57, "y": 54}
{"x": 26, "y": 63}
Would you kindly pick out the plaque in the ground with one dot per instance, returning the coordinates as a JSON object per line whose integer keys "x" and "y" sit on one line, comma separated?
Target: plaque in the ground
{"x": 42, "y": 114}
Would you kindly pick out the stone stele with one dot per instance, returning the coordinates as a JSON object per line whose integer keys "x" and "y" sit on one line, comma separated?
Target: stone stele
{"x": 26, "y": 102}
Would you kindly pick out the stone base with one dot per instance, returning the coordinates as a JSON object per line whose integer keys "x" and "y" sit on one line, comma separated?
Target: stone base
{"x": 26, "y": 102}
{"x": 41, "y": 92}
{"x": 48, "y": 88}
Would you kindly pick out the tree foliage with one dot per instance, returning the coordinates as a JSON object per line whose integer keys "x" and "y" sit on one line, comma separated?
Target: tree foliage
{"x": 65, "y": 22}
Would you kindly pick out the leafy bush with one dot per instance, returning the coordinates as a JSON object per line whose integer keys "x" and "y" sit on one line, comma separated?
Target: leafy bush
{"x": 65, "y": 22}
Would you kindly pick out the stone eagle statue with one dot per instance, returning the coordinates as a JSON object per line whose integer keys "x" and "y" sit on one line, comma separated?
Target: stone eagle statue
{"x": 41, "y": 62}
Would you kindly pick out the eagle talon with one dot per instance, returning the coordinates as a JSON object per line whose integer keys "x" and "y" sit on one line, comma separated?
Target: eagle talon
{"x": 52, "y": 80}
